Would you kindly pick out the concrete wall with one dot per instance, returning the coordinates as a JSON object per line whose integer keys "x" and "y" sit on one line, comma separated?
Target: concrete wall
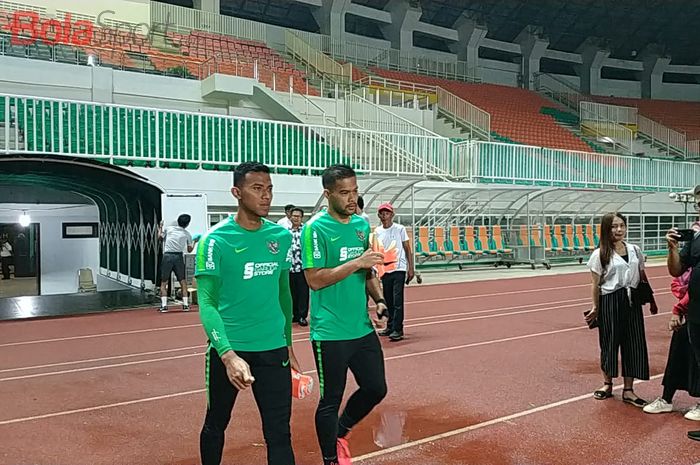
{"x": 60, "y": 258}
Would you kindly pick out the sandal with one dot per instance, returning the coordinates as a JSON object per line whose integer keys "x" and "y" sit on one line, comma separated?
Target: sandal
{"x": 603, "y": 394}
{"x": 638, "y": 402}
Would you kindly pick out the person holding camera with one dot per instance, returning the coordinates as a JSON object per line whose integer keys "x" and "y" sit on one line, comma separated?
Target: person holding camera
{"x": 618, "y": 280}
{"x": 678, "y": 262}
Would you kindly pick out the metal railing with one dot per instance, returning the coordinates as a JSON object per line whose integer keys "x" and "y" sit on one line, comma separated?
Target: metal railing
{"x": 461, "y": 111}
{"x": 668, "y": 139}
{"x": 603, "y": 112}
{"x": 389, "y": 58}
{"x": 120, "y": 134}
{"x": 559, "y": 90}
{"x": 605, "y": 122}
{"x": 367, "y": 115}
{"x": 397, "y": 85}
{"x": 183, "y": 19}
{"x": 519, "y": 164}
{"x": 693, "y": 148}
{"x": 321, "y": 63}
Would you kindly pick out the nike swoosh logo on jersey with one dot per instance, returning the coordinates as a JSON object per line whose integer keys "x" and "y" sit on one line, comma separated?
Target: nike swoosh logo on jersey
{"x": 333, "y": 239}
{"x": 241, "y": 250}
{"x": 285, "y": 364}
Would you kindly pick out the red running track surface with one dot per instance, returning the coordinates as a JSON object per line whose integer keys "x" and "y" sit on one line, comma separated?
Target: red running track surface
{"x": 496, "y": 372}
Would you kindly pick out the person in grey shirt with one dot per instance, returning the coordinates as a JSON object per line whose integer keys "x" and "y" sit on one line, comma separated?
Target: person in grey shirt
{"x": 176, "y": 242}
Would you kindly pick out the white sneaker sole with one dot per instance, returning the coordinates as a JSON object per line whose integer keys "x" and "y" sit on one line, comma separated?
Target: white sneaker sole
{"x": 692, "y": 417}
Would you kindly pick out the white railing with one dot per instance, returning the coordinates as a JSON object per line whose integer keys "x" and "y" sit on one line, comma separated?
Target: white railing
{"x": 120, "y": 134}
{"x": 694, "y": 148}
{"x": 182, "y": 19}
{"x": 321, "y": 63}
{"x": 519, "y": 164}
{"x": 367, "y": 115}
{"x": 658, "y": 134}
{"x": 464, "y": 112}
{"x": 603, "y": 112}
{"x": 433, "y": 149}
{"x": 389, "y": 58}
{"x": 559, "y": 90}
{"x": 398, "y": 85}
{"x": 607, "y": 122}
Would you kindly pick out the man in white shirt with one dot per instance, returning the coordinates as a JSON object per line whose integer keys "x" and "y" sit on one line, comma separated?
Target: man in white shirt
{"x": 393, "y": 281}
{"x": 176, "y": 242}
{"x": 5, "y": 257}
{"x": 286, "y": 222}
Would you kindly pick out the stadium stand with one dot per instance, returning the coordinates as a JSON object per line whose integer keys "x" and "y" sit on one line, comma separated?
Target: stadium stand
{"x": 516, "y": 114}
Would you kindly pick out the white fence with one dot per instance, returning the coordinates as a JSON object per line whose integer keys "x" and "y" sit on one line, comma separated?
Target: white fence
{"x": 126, "y": 135}
{"x": 187, "y": 19}
{"x": 607, "y": 121}
{"x": 559, "y": 90}
{"x": 320, "y": 62}
{"x": 694, "y": 148}
{"x": 462, "y": 111}
{"x": 658, "y": 134}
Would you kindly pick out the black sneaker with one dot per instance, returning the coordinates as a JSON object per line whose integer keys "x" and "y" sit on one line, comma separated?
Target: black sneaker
{"x": 395, "y": 336}
{"x": 385, "y": 332}
{"x": 185, "y": 308}
{"x": 303, "y": 322}
{"x": 694, "y": 435}
{"x": 163, "y": 309}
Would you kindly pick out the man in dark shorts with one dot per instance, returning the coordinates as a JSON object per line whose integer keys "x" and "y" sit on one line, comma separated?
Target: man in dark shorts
{"x": 176, "y": 242}
{"x": 338, "y": 264}
{"x": 245, "y": 305}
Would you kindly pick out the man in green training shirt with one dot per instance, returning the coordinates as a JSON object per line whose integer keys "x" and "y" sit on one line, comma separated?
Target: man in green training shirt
{"x": 338, "y": 263}
{"x": 245, "y": 306}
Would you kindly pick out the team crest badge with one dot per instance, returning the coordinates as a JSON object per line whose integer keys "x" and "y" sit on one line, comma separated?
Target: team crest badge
{"x": 360, "y": 234}
{"x": 273, "y": 247}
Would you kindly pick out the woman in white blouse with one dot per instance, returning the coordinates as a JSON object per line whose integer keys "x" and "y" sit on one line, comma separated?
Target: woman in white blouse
{"x": 617, "y": 269}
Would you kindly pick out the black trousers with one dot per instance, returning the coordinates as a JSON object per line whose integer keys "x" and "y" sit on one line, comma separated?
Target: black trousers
{"x": 393, "y": 284}
{"x": 621, "y": 329}
{"x": 6, "y": 267}
{"x": 694, "y": 339}
{"x": 365, "y": 359}
{"x": 272, "y": 390}
{"x": 300, "y": 295}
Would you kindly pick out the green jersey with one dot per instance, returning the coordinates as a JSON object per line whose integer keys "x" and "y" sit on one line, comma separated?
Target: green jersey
{"x": 246, "y": 266}
{"x": 338, "y": 312}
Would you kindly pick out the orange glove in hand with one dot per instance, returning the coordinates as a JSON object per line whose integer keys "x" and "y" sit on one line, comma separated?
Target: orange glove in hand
{"x": 391, "y": 256}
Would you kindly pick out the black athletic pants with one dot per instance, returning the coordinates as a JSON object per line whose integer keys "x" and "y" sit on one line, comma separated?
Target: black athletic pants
{"x": 5, "y": 261}
{"x": 300, "y": 295}
{"x": 365, "y": 359}
{"x": 272, "y": 390}
{"x": 393, "y": 284}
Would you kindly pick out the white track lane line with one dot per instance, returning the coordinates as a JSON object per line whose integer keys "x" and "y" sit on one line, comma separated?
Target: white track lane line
{"x": 169, "y": 328}
{"x": 484, "y": 424}
{"x": 396, "y": 357}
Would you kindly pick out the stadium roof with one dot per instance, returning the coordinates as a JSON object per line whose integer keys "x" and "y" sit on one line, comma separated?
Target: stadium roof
{"x": 626, "y": 26}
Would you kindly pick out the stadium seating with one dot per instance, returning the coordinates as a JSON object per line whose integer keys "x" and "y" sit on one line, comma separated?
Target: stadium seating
{"x": 182, "y": 55}
{"x": 515, "y": 113}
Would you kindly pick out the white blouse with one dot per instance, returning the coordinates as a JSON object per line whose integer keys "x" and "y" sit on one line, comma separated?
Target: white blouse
{"x": 618, "y": 274}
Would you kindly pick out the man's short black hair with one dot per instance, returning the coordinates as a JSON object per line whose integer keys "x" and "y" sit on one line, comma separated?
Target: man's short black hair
{"x": 297, "y": 209}
{"x": 360, "y": 202}
{"x": 335, "y": 173}
{"x": 248, "y": 167}
{"x": 289, "y": 207}
{"x": 697, "y": 190}
{"x": 184, "y": 220}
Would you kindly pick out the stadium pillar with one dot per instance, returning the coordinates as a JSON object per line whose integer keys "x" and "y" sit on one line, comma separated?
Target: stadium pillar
{"x": 532, "y": 46}
{"x": 653, "y": 73}
{"x": 211, "y": 6}
{"x": 331, "y": 18}
{"x": 404, "y": 18}
{"x": 589, "y": 72}
{"x": 471, "y": 34}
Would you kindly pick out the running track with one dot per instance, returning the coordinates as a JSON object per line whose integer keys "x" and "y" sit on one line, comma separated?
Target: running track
{"x": 493, "y": 372}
